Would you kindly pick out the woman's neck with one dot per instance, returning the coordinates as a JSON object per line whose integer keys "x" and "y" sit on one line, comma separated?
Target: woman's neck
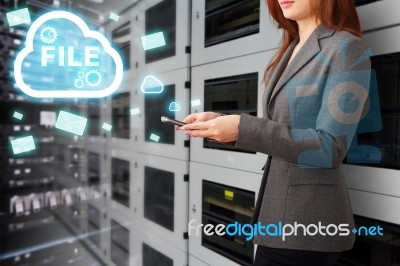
{"x": 306, "y": 27}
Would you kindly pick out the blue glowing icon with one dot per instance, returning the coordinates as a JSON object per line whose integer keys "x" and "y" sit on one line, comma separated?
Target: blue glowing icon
{"x": 18, "y": 17}
{"x": 71, "y": 123}
{"x": 18, "y": 115}
{"x": 107, "y": 127}
{"x": 48, "y": 35}
{"x": 152, "y": 41}
{"x": 114, "y": 17}
{"x": 22, "y": 145}
{"x": 151, "y": 84}
{"x": 196, "y": 103}
{"x": 135, "y": 111}
{"x": 174, "y": 107}
{"x": 154, "y": 137}
{"x": 73, "y": 61}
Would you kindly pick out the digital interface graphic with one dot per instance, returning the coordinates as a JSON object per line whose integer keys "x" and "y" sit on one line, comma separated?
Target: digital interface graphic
{"x": 151, "y": 85}
{"x": 106, "y": 126}
{"x": 196, "y": 103}
{"x": 71, "y": 123}
{"x": 114, "y": 17}
{"x": 18, "y": 115}
{"x": 174, "y": 107}
{"x": 22, "y": 145}
{"x": 153, "y": 41}
{"x": 18, "y": 17}
{"x": 154, "y": 137}
{"x": 135, "y": 111}
{"x": 73, "y": 60}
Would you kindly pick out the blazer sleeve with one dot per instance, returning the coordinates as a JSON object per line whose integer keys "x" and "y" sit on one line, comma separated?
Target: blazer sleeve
{"x": 325, "y": 145}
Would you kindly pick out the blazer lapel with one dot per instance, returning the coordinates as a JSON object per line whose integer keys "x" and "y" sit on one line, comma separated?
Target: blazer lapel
{"x": 309, "y": 49}
{"x": 278, "y": 71}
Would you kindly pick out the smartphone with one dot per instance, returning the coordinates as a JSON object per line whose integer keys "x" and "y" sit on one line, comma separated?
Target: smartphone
{"x": 171, "y": 121}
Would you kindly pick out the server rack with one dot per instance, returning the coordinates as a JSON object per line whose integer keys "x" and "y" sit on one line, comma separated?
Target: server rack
{"x": 220, "y": 196}
{"x": 231, "y": 87}
{"x": 196, "y": 262}
{"x": 162, "y": 190}
{"x": 122, "y": 182}
{"x": 149, "y": 250}
{"x": 370, "y": 13}
{"x": 224, "y": 29}
{"x": 122, "y": 34}
{"x": 170, "y": 17}
{"x": 118, "y": 114}
{"x": 120, "y": 240}
{"x": 171, "y": 102}
{"x": 38, "y": 200}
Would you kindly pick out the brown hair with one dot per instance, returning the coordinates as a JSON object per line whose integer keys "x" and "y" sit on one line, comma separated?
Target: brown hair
{"x": 336, "y": 14}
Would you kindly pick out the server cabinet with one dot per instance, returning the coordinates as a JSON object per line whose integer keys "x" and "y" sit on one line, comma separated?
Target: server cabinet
{"x": 120, "y": 239}
{"x": 119, "y": 117}
{"x": 122, "y": 179}
{"x": 149, "y": 250}
{"x": 230, "y": 87}
{"x": 221, "y": 196}
{"x": 229, "y": 29}
{"x": 97, "y": 231}
{"x": 162, "y": 198}
{"x": 150, "y": 134}
{"x": 193, "y": 261}
{"x": 171, "y": 18}
{"x": 377, "y": 14}
{"x": 122, "y": 37}
{"x": 373, "y": 250}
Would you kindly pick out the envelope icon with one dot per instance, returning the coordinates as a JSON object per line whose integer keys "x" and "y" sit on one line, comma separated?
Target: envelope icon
{"x": 18, "y": 17}
{"x": 152, "y": 41}
{"x": 74, "y": 124}
{"x": 22, "y": 145}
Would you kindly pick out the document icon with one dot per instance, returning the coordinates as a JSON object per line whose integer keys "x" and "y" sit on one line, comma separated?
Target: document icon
{"x": 107, "y": 127}
{"x": 22, "y": 145}
{"x": 114, "y": 17}
{"x": 74, "y": 124}
{"x": 18, "y": 115}
{"x": 18, "y": 17}
{"x": 152, "y": 41}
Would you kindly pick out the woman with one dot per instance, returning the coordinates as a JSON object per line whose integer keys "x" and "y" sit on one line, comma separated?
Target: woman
{"x": 316, "y": 88}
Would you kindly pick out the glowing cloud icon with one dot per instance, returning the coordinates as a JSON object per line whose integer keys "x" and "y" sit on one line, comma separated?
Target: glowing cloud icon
{"x": 50, "y": 52}
{"x": 174, "y": 107}
{"x": 151, "y": 84}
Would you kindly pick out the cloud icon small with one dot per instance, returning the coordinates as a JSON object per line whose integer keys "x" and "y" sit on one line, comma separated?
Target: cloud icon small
{"x": 56, "y": 49}
{"x": 174, "y": 107}
{"x": 151, "y": 84}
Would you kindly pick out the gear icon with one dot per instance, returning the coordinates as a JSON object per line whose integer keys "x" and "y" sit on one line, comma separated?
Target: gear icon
{"x": 48, "y": 35}
{"x": 93, "y": 82}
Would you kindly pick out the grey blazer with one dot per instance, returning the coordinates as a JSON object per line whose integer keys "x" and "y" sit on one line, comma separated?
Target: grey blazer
{"x": 306, "y": 137}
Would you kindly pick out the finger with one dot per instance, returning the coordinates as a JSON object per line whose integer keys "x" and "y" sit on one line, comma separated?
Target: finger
{"x": 199, "y": 133}
{"x": 197, "y": 126}
{"x": 190, "y": 119}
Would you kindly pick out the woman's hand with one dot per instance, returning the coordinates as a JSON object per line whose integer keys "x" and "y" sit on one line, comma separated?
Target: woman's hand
{"x": 222, "y": 129}
{"x": 200, "y": 117}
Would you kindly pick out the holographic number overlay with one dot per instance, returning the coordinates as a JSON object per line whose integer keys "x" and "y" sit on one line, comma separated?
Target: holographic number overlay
{"x": 342, "y": 115}
{"x": 63, "y": 58}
